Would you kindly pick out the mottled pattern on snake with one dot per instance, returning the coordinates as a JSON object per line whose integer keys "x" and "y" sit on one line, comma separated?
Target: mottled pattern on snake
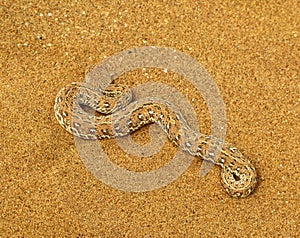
{"x": 97, "y": 114}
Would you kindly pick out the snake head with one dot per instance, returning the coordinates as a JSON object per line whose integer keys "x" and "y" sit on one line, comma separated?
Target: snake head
{"x": 113, "y": 98}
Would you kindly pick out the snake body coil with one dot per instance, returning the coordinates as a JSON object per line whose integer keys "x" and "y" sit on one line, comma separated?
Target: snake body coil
{"x": 118, "y": 115}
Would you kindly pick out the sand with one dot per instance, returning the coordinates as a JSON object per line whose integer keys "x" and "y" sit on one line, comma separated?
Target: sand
{"x": 250, "y": 50}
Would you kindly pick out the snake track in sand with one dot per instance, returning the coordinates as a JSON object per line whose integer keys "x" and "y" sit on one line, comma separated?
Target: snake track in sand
{"x": 118, "y": 115}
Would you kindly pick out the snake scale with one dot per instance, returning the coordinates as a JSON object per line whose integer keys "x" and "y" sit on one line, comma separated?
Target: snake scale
{"x": 96, "y": 114}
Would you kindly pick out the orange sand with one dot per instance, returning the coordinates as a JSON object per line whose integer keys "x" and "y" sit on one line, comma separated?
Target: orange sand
{"x": 250, "y": 49}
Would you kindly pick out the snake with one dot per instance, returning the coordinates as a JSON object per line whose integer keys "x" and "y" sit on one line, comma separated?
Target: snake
{"x": 95, "y": 114}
